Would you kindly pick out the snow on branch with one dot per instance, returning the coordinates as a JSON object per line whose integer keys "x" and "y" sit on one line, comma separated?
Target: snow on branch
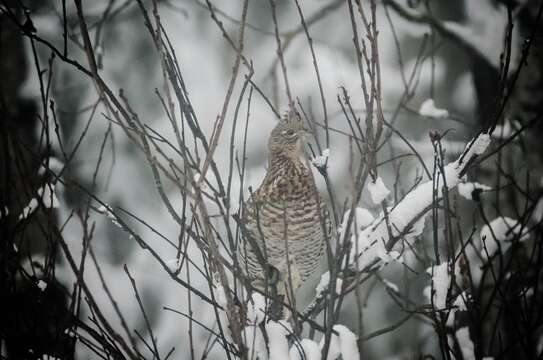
{"x": 324, "y": 283}
{"x": 343, "y": 344}
{"x": 407, "y": 217}
{"x": 306, "y": 349}
{"x": 48, "y": 197}
{"x": 429, "y": 109}
{"x": 106, "y": 210}
{"x": 378, "y": 190}
{"x": 256, "y": 308}
{"x": 441, "y": 279}
{"x": 472, "y": 190}
{"x": 254, "y": 341}
{"x": 321, "y": 162}
{"x": 499, "y": 234}
{"x": 42, "y": 285}
{"x": 464, "y": 342}
{"x": 278, "y": 342}
{"x": 347, "y": 343}
{"x": 362, "y": 218}
{"x": 390, "y": 285}
{"x": 51, "y": 163}
{"x": 459, "y": 305}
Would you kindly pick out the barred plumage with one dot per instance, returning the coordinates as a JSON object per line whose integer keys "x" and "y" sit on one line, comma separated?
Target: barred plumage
{"x": 286, "y": 213}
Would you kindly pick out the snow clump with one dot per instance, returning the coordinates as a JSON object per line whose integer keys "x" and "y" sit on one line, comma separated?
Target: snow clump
{"x": 436, "y": 293}
{"x": 429, "y": 109}
{"x": 378, "y": 190}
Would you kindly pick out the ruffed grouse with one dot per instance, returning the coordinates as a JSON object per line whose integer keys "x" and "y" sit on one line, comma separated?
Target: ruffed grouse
{"x": 286, "y": 213}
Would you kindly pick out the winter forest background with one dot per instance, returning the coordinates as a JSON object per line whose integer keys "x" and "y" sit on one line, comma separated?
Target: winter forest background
{"x": 427, "y": 143}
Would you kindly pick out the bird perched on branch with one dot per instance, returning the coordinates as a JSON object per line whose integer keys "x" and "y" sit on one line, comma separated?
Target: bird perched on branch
{"x": 286, "y": 219}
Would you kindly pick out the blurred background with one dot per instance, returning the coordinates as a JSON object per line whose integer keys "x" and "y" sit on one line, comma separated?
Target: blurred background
{"x": 448, "y": 51}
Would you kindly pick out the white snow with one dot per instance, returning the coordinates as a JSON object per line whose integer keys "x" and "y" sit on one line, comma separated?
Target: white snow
{"x": 321, "y": 161}
{"x": 417, "y": 228}
{"x": 370, "y": 242}
{"x": 333, "y": 349}
{"x": 70, "y": 332}
{"x": 278, "y": 343}
{"x": 439, "y": 284}
{"x": 49, "y": 357}
{"x": 111, "y": 215}
{"x": 501, "y": 230}
{"x": 429, "y": 109}
{"x": 479, "y": 146}
{"x": 42, "y": 285}
{"x": 466, "y": 189}
{"x": 506, "y": 130}
{"x": 466, "y": 345}
{"x": 256, "y": 308}
{"x": 459, "y": 304}
{"x": 306, "y": 350}
{"x": 201, "y": 46}
{"x": 339, "y": 285}
{"x": 527, "y": 292}
{"x": 461, "y": 301}
{"x": 537, "y": 214}
{"x": 390, "y": 285}
{"x": 254, "y": 340}
{"x": 102, "y": 209}
{"x": 343, "y": 344}
{"x": 347, "y": 343}
{"x": 378, "y": 191}
{"x": 199, "y": 182}
{"x": 29, "y": 209}
{"x": 48, "y": 196}
{"x": 398, "y": 220}
{"x": 323, "y": 284}
{"x": 106, "y": 210}
{"x": 362, "y": 219}
{"x": 369, "y": 247}
{"x": 220, "y": 295}
{"x": 55, "y": 165}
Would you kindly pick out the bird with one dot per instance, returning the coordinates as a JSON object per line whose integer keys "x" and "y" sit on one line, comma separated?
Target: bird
{"x": 286, "y": 220}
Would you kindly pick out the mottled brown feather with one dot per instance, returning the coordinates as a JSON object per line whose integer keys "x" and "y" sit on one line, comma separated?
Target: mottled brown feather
{"x": 288, "y": 207}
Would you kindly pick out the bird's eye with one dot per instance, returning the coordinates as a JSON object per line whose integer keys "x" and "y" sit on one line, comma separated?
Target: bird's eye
{"x": 289, "y": 133}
